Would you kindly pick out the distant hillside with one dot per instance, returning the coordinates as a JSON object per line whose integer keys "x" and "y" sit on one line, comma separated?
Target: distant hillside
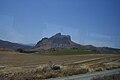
{"x": 108, "y": 50}
{"x": 10, "y": 45}
{"x": 58, "y": 42}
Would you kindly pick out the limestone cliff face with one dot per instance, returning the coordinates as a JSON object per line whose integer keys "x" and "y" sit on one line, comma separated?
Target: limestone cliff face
{"x": 57, "y": 41}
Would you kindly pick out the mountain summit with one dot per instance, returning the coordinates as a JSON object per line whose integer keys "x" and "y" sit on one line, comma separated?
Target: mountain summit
{"x": 57, "y": 41}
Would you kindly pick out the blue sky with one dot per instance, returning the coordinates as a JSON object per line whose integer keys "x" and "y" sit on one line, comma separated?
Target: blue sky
{"x": 95, "y": 22}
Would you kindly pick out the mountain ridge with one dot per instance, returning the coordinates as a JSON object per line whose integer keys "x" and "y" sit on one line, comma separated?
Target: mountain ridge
{"x": 56, "y": 42}
{"x": 13, "y": 46}
{"x": 59, "y": 41}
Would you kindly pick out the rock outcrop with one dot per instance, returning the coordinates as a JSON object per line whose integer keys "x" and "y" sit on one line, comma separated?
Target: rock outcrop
{"x": 57, "y": 41}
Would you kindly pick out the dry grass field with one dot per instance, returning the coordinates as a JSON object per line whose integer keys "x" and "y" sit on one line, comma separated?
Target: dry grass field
{"x": 21, "y": 59}
{"x": 20, "y": 66}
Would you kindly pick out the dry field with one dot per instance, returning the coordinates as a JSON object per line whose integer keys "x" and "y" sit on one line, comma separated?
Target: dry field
{"x": 20, "y": 59}
{"x": 19, "y": 66}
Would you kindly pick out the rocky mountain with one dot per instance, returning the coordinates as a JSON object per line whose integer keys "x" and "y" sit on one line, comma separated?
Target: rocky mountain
{"x": 13, "y": 46}
{"x": 59, "y": 41}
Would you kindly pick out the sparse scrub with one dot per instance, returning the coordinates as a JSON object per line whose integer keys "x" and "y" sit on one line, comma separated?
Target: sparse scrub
{"x": 42, "y": 73}
{"x": 69, "y": 71}
{"x": 101, "y": 67}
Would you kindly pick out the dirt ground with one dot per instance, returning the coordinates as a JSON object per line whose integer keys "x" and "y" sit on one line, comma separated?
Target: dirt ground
{"x": 20, "y": 59}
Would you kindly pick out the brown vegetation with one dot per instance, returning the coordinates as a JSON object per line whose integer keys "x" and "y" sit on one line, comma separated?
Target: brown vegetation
{"x": 42, "y": 72}
{"x": 18, "y": 66}
{"x": 21, "y": 59}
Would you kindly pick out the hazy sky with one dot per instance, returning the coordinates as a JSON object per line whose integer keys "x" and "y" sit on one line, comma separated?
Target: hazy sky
{"x": 95, "y": 22}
